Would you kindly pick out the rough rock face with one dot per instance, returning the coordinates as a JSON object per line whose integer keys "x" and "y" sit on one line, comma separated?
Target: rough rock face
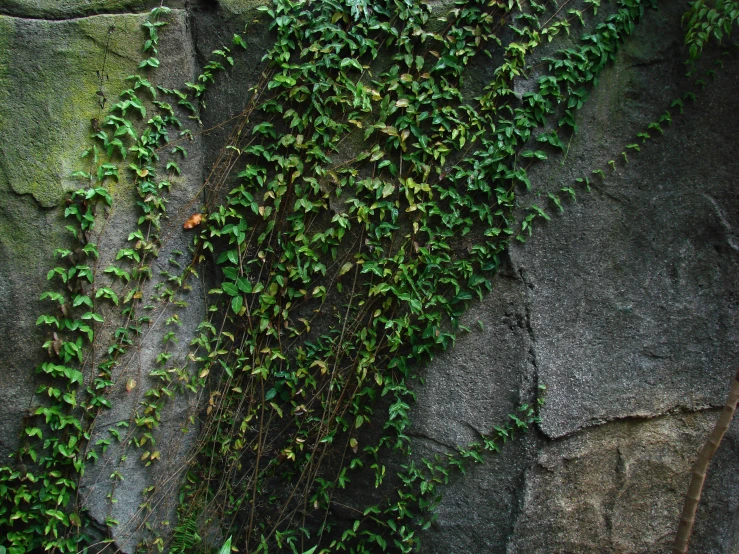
{"x": 633, "y": 296}
{"x": 624, "y": 306}
{"x": 615, "y": 488}
{"x": 61, "y": 9}
{"x": 45, "y": 126}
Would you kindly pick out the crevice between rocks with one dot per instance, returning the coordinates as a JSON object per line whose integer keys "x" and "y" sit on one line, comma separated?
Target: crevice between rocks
{"x": 636, "y": 418}
{"x": 424, "y": 436}
{"x": 530, "y": 391}
{"x": 39, "y": 204}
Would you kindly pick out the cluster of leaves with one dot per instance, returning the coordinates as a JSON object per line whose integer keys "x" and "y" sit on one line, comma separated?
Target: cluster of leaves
{"x": 38, "y": 490}
{"x": 706, "y": 20}
{"x": 389, "y": 196}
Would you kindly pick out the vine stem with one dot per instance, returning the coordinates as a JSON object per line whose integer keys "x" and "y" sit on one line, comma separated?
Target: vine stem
{"x": 687, "y": 519}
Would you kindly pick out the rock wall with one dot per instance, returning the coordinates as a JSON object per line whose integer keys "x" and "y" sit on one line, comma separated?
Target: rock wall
{"x": 624, "y": 306}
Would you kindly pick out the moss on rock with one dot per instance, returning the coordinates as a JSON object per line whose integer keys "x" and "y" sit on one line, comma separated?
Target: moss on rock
{"x": 57, "y": 9}
{"x": 50, "y": 96}
{"x": 241, "y": 6}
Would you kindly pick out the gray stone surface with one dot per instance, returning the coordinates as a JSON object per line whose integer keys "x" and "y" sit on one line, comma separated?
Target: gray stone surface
{"x": 479, "y": 509}
{"x": 45, "y": 123}
{"x": 231, "y": 95}
{"x": 488, "y": 373}
{"x": 633, "y": 302}
{"x": 717, "y": 526}
{"x": 629, "y": 300}
{"x": 618, "y": 488}
{"x": 65, "y": 9}
{"x": 174, "y": 445}
{"x": 45, "y": 126}
{"x": 25, "y": 255}
{"x": 466, "y": 392}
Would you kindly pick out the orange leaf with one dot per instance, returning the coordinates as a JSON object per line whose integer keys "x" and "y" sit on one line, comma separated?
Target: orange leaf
{"x": 193, "y": 221}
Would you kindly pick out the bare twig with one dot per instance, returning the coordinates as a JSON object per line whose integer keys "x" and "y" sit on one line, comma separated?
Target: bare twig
{"x": 701, "y": 466}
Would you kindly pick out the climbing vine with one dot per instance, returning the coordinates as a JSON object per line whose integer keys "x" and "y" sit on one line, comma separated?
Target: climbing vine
{"x": 362, "y": 200}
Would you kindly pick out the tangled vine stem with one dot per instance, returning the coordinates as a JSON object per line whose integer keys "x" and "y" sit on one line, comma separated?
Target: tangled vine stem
{"x": 687, "y": 519}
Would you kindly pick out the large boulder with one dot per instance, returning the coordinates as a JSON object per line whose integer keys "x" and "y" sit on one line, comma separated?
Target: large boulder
{"x": 55, "y": 75}
{"x": 624, "y": 306}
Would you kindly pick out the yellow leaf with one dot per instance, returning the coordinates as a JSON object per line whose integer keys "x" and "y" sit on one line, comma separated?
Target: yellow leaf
{"x": 320, "y": 364}
{"x": 377, "y": 155}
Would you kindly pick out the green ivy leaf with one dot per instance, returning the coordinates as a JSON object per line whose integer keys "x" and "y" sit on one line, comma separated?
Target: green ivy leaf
{"x": 230, "y": 289}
